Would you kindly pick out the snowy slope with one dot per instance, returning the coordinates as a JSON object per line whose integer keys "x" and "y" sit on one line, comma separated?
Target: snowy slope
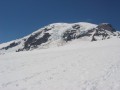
{"x": 59, "y": 34}
{"x": 78, "y": 65}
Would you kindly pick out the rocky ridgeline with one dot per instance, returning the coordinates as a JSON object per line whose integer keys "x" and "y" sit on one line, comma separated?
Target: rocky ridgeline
{"x": 62, "y": 32}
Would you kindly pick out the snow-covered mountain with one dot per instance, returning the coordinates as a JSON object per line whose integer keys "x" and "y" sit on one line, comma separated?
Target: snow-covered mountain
{"x": 58, "y": 34}
{"x": 88, "y": 58}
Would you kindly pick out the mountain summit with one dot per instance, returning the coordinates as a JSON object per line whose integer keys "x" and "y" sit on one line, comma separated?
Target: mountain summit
{"x": 58, "y": 34}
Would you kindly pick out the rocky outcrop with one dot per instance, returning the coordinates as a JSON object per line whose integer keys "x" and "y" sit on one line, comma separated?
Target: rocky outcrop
{"x": 10, "y": 45}
{"x": 106, "y": 26}
{"x": 32, "y": 42}
{"x": 103, "y": 31}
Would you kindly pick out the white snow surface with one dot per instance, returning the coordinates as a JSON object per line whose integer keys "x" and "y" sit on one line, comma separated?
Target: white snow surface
{"x": 78, "y": 65}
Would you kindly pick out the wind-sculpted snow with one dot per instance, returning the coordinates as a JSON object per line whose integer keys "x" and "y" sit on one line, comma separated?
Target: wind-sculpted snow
{"x": 59, "y": 34}
{"x": 78, "y": 65}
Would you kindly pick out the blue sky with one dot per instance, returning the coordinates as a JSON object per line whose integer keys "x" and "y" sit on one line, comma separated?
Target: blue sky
{"x": 19, "y": 18}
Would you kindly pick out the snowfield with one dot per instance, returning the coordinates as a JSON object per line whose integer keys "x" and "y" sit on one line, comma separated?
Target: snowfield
{"x": 78, "y": 65}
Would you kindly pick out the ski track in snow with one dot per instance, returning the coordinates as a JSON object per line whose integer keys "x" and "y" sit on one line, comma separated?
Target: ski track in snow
{"x": 75, "y": 66}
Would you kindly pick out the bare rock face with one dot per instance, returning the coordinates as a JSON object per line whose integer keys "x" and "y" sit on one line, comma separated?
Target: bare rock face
{"x": 71, "y": 33}
{"x": 10, "y": 46}
{"x": 103, "y": 31}
{"x": 106, "y": 26}
{"x": 33, "y": 42}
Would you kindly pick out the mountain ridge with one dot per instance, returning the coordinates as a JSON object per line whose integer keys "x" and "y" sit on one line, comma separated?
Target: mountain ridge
{"x": 58, "y": 34}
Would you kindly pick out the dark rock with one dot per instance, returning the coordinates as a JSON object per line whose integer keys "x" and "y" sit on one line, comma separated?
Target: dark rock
{"x": 19, "y": 50}
{"x": 106, "y": 26}
{"x": 69, "y": 35}
{"x": 33, "y": 42}
{"x": 100, "y": 33}
{"x": 73, "y": 34}
{"x": 93, "y": 38}
{"x": 47, "y": 29}
{"x": 11, "y": 45}
{"x": 76, "y": 26}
